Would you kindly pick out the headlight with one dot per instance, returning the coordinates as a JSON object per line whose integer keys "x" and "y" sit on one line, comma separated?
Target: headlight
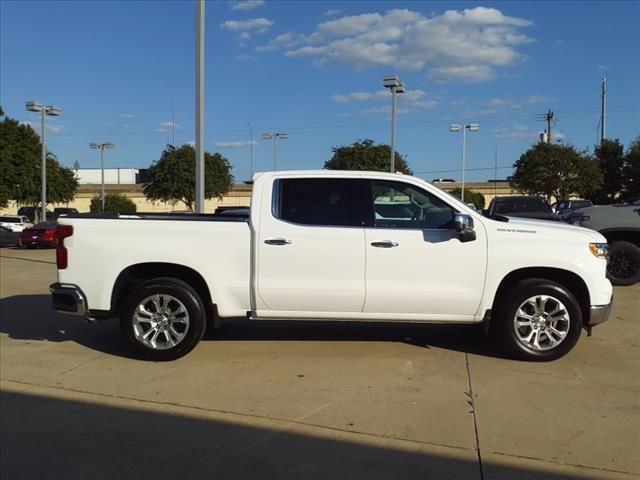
{"x": 600, "y": 250}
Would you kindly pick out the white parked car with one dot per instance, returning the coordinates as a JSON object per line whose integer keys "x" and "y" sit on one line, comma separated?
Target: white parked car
{"x": 15, "y": 223}
{"x": 336, "y": 245}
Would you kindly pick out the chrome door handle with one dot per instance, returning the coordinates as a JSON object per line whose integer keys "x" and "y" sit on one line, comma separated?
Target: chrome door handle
{"x": 384, "y": 244}
{"x": 277, "y": 241}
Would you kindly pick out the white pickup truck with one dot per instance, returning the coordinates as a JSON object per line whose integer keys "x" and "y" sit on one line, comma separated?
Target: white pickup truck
{"x": 335, "y": 245}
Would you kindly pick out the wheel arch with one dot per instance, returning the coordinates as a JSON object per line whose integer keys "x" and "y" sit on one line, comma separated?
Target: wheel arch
{"x": 134, "y": 275}
{"x": 619, "y": 234}
{"x": 566, "y": 278}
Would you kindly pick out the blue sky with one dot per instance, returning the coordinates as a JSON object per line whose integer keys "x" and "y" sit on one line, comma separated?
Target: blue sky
{"x": 315, "y": 69}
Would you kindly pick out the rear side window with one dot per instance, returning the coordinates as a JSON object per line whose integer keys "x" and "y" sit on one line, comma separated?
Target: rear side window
{"x": 11, "y": 219}
{"x": 320, "y": 201}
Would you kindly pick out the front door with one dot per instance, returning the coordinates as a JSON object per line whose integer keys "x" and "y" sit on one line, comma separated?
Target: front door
{"x": 416, "y": 264}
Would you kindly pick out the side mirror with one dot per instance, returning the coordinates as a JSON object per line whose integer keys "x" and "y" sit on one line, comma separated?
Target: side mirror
{"x": 464, "y": 226}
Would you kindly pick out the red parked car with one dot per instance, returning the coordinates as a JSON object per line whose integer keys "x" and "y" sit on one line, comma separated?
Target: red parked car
{"x": 40, "y": 235}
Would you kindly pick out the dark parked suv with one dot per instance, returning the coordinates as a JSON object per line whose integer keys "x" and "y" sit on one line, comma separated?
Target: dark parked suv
{"x": 32, "y": 212}
{"x": 520, "y": 206}
{"x": 620, "y": 224}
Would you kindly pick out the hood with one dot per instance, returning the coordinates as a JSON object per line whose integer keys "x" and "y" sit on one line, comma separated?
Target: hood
{"x": 558, "y": 228}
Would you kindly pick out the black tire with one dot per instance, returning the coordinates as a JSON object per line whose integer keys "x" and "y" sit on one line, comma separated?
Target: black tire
{"x": 624, "y": 263}
{"x": 568, "y": 323}
{"x": 185, "y": 307}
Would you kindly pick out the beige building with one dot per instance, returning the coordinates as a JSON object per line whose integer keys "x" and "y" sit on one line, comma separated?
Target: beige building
{"x": 240, "y": 195}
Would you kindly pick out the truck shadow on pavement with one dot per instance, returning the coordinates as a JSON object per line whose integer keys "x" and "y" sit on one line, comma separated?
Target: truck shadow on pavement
{"x": 86, "y": 438}
{"x": 30, "y": 317}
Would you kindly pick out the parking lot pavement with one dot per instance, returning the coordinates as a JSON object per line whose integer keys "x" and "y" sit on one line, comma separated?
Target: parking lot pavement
{"x": 296, "y": 400}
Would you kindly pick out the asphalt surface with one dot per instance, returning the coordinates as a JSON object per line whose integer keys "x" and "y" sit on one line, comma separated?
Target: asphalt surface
{"x": 302, "y": 400}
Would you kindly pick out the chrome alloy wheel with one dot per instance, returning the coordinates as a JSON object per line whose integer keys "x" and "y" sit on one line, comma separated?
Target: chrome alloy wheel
{"x": 160, "y": 321}
{"x": 541, "y": 323}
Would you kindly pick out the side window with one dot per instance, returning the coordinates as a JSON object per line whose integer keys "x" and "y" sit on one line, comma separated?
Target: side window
{"x": 320, "y": 201}
{"x": 400, "y": 205}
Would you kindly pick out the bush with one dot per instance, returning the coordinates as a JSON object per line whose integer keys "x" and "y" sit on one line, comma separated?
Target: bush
{"x": 113, "y": 202}
{"x": 470, "y": 197}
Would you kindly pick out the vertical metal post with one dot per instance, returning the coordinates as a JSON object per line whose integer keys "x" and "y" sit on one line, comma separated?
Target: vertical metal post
{"x": 464, "y": 147}
{"x": 392, "y": 167}
{"x": 102, "y": 170}
{"x": 173, "y": 122}
{"x": 251, "y": 146}
{"x": 199, "y": 200}
{"x": 44, "y": 165}
{"x": 604, "y": 106}
{"x": 274, "y": 152}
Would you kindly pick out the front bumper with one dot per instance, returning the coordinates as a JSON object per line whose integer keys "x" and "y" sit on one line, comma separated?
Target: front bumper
{"x": 68, "y": 298}
{"x": 599, "y": 313}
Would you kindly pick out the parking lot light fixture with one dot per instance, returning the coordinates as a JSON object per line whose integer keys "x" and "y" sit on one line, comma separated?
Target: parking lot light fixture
{"x": 274, "y": 136}
{"x": 472, "y": 127}
{"x": 101, "y": 147}
{"x": 45, "y": 111}
{"x": 393, "y": 83}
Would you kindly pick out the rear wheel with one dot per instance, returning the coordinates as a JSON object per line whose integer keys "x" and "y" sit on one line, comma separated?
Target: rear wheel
{"x": 163, "y": 319}
{"x": 624, "y": 263}
{"x": 539, "y": 320}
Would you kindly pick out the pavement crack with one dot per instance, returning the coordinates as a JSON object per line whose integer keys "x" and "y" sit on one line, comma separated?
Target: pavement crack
{"x": 80, "y": 365}
{"x": 472, "y": 404}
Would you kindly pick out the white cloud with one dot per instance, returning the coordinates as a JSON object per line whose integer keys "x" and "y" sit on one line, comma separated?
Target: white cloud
{"x": 246, "y": 4}
{"x": 469, "y": 45}
{"x": 244, "y": 36}
{"x": 411, "y": 96}
{"x": 602, "y": 67}
{"x": 284, "y": 40}
{"x": 37, "y": 126}
{"x": 332, "y": 13}
{"x": 235, "y": 144}
{"x": 259, "y": 25}
{"x": 246, "y": 58}
{"x": 167, "y": 126}
{"x": 192, "y": 143}
{"x": 127, "y": 115}
{"x": 409, "y": 101}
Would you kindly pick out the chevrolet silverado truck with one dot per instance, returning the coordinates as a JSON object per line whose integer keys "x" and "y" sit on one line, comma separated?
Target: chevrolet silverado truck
{"x": 335, "y": 245}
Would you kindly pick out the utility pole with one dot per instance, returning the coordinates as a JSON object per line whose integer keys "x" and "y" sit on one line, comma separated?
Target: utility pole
{"x": 546, "y": 117}
{"x": 173, "y": 122}
{"x": 603, "y": 114}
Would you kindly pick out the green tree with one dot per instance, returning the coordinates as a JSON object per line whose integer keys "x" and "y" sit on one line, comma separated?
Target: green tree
{"x": 365, "y": 155}
{"x": 631, "y": 170}
{"x": 113, "y": 202}
{"x": 172, "y": 178}
{"x": 20, "y": 168}
{"x": 470, "y": 196}
{"x": 556, "y": 171}
{"x": 610, "y": 155}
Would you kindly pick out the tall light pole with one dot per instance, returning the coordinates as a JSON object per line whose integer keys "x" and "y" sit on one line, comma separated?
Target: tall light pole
{"x": 251, "y": 147}
{"x": 275, "y": 136}
{"x": 394, "y": 84}
{"x": 199, "y": 180}
{"x": 51, "y": 111}
{"x": 101, "y": 147}
{"x": 472, "y": 127}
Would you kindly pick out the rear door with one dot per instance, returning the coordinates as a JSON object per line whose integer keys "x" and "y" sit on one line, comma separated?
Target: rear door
{"x": 310, "y": 248}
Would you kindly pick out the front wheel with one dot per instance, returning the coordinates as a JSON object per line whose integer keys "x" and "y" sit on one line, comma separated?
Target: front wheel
{"x": 539, "y": 320}
{"x": 163, "y": 319}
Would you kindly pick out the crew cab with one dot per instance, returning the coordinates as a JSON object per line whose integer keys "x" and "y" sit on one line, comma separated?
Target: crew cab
{"x": 335, "y": 245}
